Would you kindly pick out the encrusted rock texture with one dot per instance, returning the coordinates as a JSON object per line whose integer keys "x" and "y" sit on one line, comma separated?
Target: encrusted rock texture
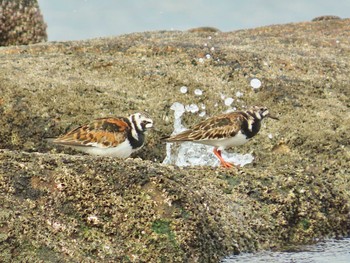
{"x": 58, "y": 205}
{"x": 21, "y": 23}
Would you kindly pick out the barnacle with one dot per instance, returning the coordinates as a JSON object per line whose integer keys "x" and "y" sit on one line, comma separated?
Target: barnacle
{"x": 21, "y": 23}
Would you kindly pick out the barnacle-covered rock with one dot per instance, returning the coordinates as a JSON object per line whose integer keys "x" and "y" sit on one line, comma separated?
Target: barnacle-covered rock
{"x": 21, "y": 23}
{"x": 61, "y": 206}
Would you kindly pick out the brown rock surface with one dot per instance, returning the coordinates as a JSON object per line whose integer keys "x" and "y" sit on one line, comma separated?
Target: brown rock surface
{"x": 72, "y": 207}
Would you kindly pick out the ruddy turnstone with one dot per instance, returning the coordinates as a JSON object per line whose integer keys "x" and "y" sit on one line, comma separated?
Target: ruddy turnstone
{"x": 116, "y": 137}
{"x": 226, "y": 130}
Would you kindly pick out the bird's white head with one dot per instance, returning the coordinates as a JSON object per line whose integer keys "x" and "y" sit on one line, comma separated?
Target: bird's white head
{"x": 141, "y": 121}
{"x": 262, "y": 112}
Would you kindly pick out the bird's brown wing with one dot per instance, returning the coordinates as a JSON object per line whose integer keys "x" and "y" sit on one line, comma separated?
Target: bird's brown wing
{"x": 217, "y": 127}
{"x": 104, "y": 132}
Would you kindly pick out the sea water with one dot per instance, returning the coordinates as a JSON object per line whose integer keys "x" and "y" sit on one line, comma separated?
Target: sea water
{"x": 330, "y": 251}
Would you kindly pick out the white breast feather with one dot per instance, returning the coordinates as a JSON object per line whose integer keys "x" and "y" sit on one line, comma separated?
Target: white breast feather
{"x": 123, "y": 150}
{"x": 237, "y": 140}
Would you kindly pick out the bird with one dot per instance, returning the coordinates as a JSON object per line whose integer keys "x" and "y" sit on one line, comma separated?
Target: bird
{"x": 225, "y": 130}
{"x": 112, "y": 136}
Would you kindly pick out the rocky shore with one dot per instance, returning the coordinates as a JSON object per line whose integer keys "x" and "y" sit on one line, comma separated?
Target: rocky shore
{"x": 58, "y": 205}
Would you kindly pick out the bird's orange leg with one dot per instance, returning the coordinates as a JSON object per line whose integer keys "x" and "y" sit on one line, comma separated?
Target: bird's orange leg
{"x": 222, "y": 161}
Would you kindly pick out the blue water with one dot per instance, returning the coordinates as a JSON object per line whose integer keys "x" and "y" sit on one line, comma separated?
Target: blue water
{"x": 330, "y": 251}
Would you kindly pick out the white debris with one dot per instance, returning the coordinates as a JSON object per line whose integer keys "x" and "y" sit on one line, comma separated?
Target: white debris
{"x": 239, "y": 94}
{"x": 209, "y": 37}
{"x": 93, "y": 219}
{"x": 270, "y": 136}
{"x": 212, "y": 48}
{"x": 192, "y": 108}
{"x": 198, "y": 92}
{"x": 178, "y": 109}
{"x": 208, "y": 56}
{"x": 255, "y": 83}
{"x": 201, "y": 60}
{"x": 195, "y": 154}
{"x": 228, "y": 101}
{"x": 202, "y": 114}
{"x": 230, "y": 109}
{"x": 222, "y": 96}
{"x": 183, "y": 89}
{"x": 237, "y": 158}
{"x": 202, "y": 106}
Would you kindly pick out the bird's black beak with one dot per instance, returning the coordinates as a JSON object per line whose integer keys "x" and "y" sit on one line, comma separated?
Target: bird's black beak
{"x": 272, "y": 117}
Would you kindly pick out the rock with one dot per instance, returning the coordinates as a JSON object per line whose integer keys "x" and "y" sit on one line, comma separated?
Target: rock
{"x": 204, "y": 29}
{"x": 326, "y": 18}
{"x": 60, "y": 205}
{"x": 21, "y": 23}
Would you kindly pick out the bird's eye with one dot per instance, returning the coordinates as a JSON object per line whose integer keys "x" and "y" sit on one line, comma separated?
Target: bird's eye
{"x": 264, "y": 110}
{"x": 146, "y": 124}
